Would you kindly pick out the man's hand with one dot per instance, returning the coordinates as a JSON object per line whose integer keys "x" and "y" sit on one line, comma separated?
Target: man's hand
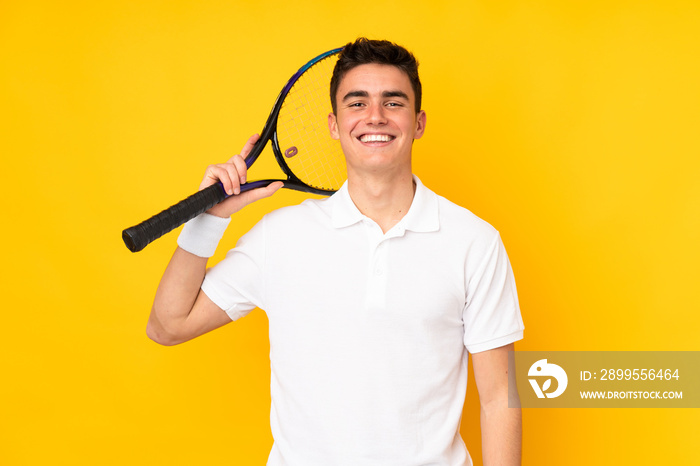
{"x": 232, "y": 175}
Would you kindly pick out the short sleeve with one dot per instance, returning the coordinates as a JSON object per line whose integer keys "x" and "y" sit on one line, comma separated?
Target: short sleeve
{"x": 492, "y": 313}
{"x": 236, "y": 284}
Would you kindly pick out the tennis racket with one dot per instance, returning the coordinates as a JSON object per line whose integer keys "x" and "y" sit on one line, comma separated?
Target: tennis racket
{"x": 297, "y": 130}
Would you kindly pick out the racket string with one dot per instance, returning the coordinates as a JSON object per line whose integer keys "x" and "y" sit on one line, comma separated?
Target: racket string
{"x": 303, "y": 124}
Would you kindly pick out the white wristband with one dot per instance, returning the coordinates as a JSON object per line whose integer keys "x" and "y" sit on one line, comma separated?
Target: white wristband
{"x": 202, "y": 234}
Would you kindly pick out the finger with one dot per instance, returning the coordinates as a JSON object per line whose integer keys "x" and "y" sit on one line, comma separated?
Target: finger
{"x": 241, "y": 168}
{"x": 267, "y": 191}
{"x": 235, "y": 203}
{"x": 231, "y": 173}
{"x": 250, "y": 143}
{"x": 223, "y": 173}
{"x": 210, "y": 177}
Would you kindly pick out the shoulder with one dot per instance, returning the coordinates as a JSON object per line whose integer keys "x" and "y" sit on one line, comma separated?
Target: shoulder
{"x": 309, "y": 212}
{"x": 458, "y": 220}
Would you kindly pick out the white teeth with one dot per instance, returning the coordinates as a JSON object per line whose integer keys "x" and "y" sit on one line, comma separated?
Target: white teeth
{"x": 375, "y": 138}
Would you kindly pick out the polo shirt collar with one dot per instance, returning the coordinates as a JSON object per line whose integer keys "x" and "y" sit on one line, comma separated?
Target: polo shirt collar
{"x": 423, "y": 216}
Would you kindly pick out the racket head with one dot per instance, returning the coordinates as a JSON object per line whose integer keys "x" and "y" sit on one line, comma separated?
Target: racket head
{"x": 298, "y": 124}
{"x": 300, "y": 138}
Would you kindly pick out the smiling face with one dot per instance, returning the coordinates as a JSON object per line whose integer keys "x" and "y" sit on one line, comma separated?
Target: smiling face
{"x": 375, "y": 120}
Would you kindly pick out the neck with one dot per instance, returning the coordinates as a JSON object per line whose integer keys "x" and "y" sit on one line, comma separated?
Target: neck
{"x": 383, "y": 198}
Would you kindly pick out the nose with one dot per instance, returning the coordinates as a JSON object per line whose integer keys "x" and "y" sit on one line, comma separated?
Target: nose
{"x": 376, "y": 115}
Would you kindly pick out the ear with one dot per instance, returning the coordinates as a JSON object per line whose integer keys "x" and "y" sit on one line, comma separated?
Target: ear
{"x": 333, "y": 126}
{"x": 420, "y": 124}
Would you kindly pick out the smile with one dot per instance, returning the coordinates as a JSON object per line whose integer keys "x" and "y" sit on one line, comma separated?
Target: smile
{"x": 376, "y": 138}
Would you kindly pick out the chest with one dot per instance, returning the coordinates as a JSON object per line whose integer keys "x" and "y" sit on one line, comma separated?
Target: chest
{"x": 351, "y": 277}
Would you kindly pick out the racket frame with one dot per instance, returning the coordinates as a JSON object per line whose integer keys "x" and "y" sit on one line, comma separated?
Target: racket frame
{"x": 139, "y": 236}
{"x": 269, "y": 133}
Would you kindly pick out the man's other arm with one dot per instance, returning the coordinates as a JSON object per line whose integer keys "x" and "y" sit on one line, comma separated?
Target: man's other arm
{"x": 501, "y": 426}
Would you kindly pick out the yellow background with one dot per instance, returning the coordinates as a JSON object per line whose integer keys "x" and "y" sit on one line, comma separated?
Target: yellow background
{"x": 572, "y": 126}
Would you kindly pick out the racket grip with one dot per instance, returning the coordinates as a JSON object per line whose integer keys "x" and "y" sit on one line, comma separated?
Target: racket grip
{"x": 139, "y": 236}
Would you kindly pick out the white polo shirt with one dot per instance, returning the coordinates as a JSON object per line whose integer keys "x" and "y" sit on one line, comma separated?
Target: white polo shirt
{"x": 369, "y": 332}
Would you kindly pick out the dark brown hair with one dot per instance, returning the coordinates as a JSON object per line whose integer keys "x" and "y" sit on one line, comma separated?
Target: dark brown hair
{"x": 365, "y": 51}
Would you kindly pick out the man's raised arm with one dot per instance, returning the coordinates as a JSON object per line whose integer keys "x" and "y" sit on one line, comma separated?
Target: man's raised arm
{"x": 181, "y": 311}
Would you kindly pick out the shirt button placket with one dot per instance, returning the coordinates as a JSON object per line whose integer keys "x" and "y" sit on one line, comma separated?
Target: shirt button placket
{"x": 376, "y": 286}
{"x": 379, "y": 259}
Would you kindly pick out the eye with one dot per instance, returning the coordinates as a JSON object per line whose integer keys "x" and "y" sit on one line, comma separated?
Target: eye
{"x": 394, "y": 104}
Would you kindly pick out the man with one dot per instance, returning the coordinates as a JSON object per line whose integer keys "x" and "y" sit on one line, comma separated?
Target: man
{"x": 374, "y": 309}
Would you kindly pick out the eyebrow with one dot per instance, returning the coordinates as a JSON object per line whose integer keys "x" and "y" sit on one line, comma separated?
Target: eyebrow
{"x": 385, "y": 94}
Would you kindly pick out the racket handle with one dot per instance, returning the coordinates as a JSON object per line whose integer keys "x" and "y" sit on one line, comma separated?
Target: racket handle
{"x": 139, "y": 236}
